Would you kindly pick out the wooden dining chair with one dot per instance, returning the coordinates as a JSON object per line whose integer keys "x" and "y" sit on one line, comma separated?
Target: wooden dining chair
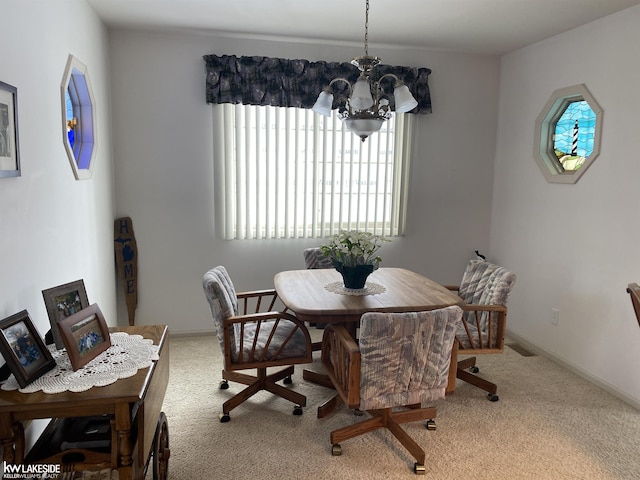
{"x": 633, "y": 289}
{"x": 485, "y": 289}
{"x": 400, "y": 360}
{"x": 255, "y": 337}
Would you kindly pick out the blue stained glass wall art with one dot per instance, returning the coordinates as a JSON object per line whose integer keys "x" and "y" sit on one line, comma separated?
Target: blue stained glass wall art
{"x": 70, "y": 117}
{"x": 79, "y": 118}
{"x": 575, "y": 130}
{"x": 567, "y": 134}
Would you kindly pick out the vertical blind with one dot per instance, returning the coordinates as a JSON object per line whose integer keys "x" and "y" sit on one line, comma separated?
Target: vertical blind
{"x": 283, "y": 172}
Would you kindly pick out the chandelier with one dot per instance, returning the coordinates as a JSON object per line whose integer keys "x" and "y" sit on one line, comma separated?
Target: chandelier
{"x": 367, "y": 106}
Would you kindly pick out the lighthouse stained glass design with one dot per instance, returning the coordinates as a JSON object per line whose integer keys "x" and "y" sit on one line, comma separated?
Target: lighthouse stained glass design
{"x": 574, "y": 135}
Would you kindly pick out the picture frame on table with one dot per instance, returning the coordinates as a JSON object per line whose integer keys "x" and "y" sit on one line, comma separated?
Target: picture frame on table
{"x": 23, "y": 349}
{"x": 62, "y": 302}
{"x": 9, "y": 144}
{"x": 85, "y": 335}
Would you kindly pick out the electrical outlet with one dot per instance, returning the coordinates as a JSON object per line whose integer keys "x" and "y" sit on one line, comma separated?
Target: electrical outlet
{"x": 555, "y": 316}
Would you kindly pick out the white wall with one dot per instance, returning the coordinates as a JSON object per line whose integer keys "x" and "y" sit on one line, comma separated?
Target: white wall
{"x": 164, "y": 174}
{"x": 574, "y": 247}
{"x": 53, "y": 228}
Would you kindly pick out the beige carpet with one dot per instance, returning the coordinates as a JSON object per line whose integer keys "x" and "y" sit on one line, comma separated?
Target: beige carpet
{"x": 548, "y": 424}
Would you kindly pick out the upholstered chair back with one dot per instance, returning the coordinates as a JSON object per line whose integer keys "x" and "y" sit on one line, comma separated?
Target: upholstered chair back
{"x": 314, "y": 258}
{"x": 484, "y": 283}
{"x": 221, "y": 295}
{"x": 405, "y": 356}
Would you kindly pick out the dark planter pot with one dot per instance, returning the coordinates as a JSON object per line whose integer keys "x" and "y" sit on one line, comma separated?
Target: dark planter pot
{"x": 354, "y": 277}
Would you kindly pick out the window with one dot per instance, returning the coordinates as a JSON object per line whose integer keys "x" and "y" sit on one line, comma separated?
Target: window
{"x": 290, "y": 173}
{"x": 568, "y": 134}
{"x": 78, "y": 118}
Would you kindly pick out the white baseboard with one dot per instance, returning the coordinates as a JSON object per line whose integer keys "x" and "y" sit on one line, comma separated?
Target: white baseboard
{"x": 532, "y": 347}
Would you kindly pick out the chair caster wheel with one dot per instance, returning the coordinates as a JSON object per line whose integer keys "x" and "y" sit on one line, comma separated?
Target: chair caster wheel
{"x": 493, "y": 397}
{"x": 357, "y": 412}
{"x": 474, "y": 369}
{"x": 287, "y": 380}
{"x": 297, "y": 410}
{"x": 224, "y": 417}
{"x": 430, "y": 425}
{"x": 223, "y": 385}
{"x": 336, "y": 450}
{"x": 419, "y": 469}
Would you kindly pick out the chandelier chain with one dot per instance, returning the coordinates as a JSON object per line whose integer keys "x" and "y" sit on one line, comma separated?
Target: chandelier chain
{"x": 366, "y": 30}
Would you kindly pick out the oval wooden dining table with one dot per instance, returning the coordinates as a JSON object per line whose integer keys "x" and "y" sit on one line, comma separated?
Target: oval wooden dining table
{"x": 315, "y": 296}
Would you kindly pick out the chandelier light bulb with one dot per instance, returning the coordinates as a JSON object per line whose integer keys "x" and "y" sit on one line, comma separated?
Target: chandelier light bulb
{"x": 323, "y": 103}
{"x": 361, "y": 98}
{"x": 404, "y": 100}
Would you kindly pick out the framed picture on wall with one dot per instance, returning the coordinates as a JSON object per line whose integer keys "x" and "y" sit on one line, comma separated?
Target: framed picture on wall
{"x": 22, "y": 348}
{"x": 9, "y": 145}
{"x": 62, "y": 302}
{"x": 85, "y": 335}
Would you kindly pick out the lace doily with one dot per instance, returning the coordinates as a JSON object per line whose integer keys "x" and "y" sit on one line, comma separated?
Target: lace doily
{"x": 126, "y": 355}
{"x": 370, "y": 288}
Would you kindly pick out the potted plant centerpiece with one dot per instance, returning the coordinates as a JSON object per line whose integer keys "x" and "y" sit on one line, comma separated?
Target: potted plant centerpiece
{"x": 353, "y": 254}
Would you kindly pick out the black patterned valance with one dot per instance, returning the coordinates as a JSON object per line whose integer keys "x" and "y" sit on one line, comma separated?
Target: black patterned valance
{"x": 297, "y": 83}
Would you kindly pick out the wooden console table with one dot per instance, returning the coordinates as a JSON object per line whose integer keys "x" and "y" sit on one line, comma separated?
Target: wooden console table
{"x": 138, "y": 426}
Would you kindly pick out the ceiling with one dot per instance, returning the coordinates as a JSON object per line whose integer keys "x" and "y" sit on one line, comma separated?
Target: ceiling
{"x": 475, "y": 26}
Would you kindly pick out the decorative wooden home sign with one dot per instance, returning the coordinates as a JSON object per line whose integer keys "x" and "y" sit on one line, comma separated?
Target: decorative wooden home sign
{"x": 126, "y": 252}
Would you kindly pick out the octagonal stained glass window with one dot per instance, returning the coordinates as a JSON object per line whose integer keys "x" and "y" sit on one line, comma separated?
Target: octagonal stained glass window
{"x": 78, "y": 118}
{"x": 568, "y": 134}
